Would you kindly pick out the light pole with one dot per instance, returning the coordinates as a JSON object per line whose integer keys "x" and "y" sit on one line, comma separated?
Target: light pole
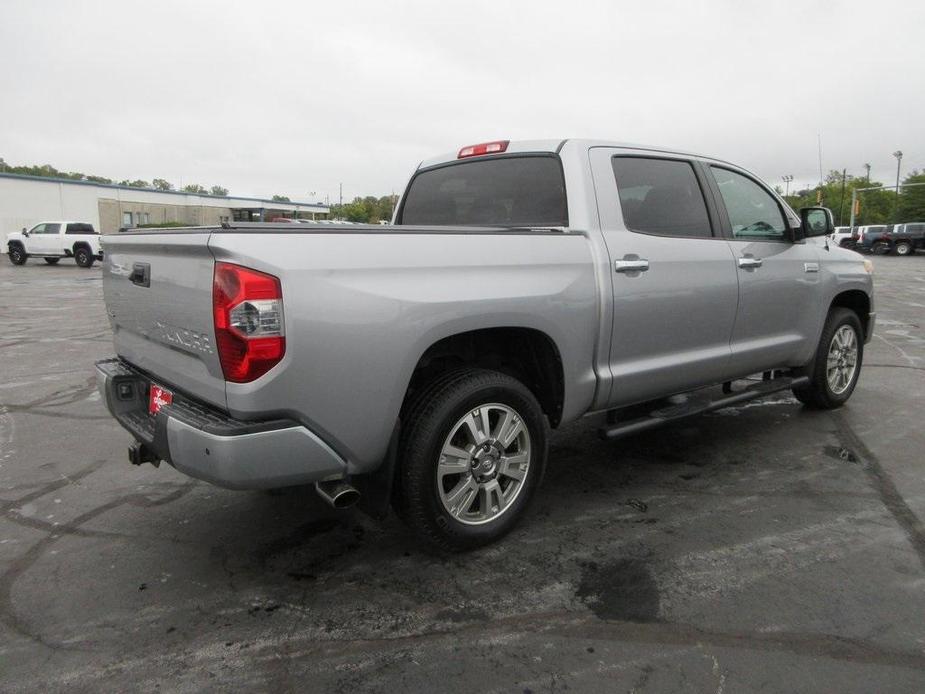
{"x": 899, "y": 160}
{"x": 786, "y": 179}
{"x": 867, "y": 166}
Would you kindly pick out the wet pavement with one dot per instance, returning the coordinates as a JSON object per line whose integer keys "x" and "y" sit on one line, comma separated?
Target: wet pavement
{"x": 761, "y": 547}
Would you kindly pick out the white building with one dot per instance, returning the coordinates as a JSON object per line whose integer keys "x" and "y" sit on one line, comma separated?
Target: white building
{"x": 28, "y": 200}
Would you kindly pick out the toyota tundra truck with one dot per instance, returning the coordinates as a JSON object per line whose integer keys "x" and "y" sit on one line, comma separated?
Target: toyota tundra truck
{"x": 55, "y": 240}
{"x": 520, "y": 286}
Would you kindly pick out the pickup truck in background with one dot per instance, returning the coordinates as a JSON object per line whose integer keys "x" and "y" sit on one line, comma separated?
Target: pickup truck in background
{"x": 902, "y": 239}
{"x": 521, "y": 286}
{"x": 55, "y": 240}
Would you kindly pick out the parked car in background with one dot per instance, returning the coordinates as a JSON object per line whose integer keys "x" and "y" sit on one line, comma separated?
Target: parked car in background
{"x": 901, "y": 239}
{"x": 522, "y": 286}
{"x": 864, "y": 232}
{"x": 55, "y": 240}
{"x": 844, "y": 236}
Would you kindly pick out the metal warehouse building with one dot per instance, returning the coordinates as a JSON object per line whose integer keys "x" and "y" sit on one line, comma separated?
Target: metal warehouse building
{"x": 28, "y": 200}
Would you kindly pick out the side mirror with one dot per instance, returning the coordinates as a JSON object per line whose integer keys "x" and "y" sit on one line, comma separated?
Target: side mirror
{"x": 816, "y": 221}
{"x": 25, "y": 232}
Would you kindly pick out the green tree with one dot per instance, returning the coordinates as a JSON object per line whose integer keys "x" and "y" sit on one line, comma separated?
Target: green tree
{"x": 877, "y": 206}
{"x": 195, "y": 188}
{"x": 280, "y": 198}
{"x": 218, "y": 190}
{"x": 99, "y": 179}
{"x": 912, "y": 200}
{"x": 162, "y": 184}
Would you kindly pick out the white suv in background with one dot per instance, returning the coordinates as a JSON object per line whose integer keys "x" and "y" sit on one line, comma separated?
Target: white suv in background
{"x": 55, "y": 240}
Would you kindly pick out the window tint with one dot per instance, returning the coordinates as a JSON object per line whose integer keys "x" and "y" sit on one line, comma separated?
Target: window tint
{"x": 915, "y": 228}
{"x": 80, "y": 228}
{"x": 661, "y": 196}
{"x": 52, "y": 228}
{"x": 509, "y": 191}
{"x": 753, "y": 212}
{"x": 37, "y": 229}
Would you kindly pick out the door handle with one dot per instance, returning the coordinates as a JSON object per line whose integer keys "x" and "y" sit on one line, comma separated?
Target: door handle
{"x": 627, "y": 265}
{"x": 749, "y": 262}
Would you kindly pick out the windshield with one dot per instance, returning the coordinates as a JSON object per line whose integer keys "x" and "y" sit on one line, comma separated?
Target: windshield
{"x": 512, "y": 191}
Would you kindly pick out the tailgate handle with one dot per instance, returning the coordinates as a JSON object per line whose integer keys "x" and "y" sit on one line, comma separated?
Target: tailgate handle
{"x": 141, "y": 274}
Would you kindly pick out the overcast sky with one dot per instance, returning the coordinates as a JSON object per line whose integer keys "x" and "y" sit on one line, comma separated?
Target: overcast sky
{"x": 293, "y": 98}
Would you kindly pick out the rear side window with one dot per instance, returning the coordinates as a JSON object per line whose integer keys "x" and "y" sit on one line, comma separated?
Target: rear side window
{"x": 80, "y": 228}
{"x": 504, "y": 191}
{"x": 753, "y": 212}
{"x": 915, "y": 228}
{"x": 661, "y": 196}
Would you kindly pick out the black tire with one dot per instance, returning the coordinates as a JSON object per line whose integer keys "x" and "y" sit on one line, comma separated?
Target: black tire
{"x": 17, "y": 253}
{"x": 903, "y": 248}
{"x": 432, "y": 418}
{"x": 819, "y": 394}
{"x": 52, "y": 261}
{"x": 83, "y": 256}
{"x": 880, "y": 248}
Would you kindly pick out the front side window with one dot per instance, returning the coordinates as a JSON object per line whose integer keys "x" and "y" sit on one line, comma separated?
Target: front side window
{"x": 518, "y": 191}
{"x": 661, "y": 196}
{"x": 52, "y": 228}
{"x": 753, "y": 212}
{"x": 37, "y": 229}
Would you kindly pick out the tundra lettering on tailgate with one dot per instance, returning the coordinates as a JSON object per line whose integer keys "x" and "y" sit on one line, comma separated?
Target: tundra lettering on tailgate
{"x": 190, "y": 339}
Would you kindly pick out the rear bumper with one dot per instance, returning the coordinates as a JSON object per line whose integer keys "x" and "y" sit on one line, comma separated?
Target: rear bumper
{"x": 207, "y": 444}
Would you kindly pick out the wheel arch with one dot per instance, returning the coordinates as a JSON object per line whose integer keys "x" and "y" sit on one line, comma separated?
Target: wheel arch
{"x": 528, "y": 354}
{"x": 855, "y": 300}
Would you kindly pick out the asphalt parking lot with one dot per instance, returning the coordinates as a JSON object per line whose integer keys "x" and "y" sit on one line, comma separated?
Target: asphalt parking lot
{"x": 764, "y": 547}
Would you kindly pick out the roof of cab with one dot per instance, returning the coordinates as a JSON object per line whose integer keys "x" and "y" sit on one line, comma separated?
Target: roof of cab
{"x": 553, "y": 146}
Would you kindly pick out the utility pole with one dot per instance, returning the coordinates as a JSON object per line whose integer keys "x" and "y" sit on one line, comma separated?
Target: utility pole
{"x": 867, "y": 166}
{"x": 786, "y": 179}
{"x": 899, "y": 160}
{"x": 340, "y": 199}
{"x": 819, "y": 139}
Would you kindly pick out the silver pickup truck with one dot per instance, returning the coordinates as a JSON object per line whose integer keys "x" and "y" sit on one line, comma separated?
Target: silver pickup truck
{"x": 522, "y": 285}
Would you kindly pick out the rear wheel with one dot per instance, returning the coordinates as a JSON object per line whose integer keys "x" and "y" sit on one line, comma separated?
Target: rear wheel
{"x": 17, "y": 253}
{"x": 52, "y": 261}
{"x": 834, "y": 371}
{"x": 903, "y": 248}
{"x": 880, "y": 248}
{"x": 472, "y": 455}
{"x": 83, "y": 257}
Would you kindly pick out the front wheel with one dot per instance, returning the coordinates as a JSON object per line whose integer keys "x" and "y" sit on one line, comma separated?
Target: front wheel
{"x": 473, "y": 453}
{"x": 52, "y": 261}
{"x": 834, "y": 371}
{"x": 84, "y": 257}
{"x": 903, "y": 248}
{"x": 880, "y": 248}
{"x": 17, "y": 253}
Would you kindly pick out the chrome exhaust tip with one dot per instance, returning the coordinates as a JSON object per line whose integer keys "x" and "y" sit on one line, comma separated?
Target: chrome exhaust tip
{"x": 337, "y": 493}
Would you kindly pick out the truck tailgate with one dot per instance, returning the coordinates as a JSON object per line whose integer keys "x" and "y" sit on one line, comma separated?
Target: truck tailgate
{"x": 158, "y": 291}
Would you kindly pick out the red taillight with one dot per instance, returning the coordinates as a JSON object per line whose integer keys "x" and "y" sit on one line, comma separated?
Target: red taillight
{"x": 495, "y": 147}
{"x": 247, "y": 307}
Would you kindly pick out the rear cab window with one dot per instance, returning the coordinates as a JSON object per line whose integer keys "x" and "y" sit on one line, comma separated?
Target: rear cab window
{"x": 522, "y": 190}
{"x": 80, "y": 228}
